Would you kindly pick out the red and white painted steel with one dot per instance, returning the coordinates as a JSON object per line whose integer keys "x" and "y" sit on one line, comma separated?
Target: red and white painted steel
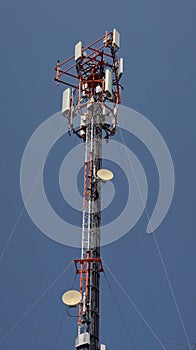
{"x": 94, "y": 92}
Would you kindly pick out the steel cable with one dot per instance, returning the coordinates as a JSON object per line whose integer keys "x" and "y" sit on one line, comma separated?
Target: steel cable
{"x": 23, "y": 208}
{"x": 34, "y": 304}
{"x": 158, "y": 249}
{"x": 120, "y": 313}
{"x": 135, "y": 307}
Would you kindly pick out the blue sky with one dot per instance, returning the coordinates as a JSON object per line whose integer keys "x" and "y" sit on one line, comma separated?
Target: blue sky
{"x": 158, "y": 44}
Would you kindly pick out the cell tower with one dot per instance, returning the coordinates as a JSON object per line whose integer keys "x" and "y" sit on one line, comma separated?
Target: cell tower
{"x": 92, "y": 76}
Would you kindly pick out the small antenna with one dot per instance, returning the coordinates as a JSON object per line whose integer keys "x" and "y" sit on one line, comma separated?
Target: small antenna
{"x": 105, "y": 175}
{"x": 71, "y": 298}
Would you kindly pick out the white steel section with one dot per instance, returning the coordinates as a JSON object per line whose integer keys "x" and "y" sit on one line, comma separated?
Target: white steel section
{"x": 85, "y": 211}
{"x": 82, "y": 124}
{"x": 90, "y": 160}
{"x": 92, "y": 204}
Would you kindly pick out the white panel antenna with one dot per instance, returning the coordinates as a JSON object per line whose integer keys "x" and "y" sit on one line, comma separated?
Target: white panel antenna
{"x": 108, "y": 82}
{"x": 120, "y": 67}
{"x": 102, "y": 347}
{"x": 116, "y": 38}
{"x": 66, "y": 104}
{"x": 78, "y": 51}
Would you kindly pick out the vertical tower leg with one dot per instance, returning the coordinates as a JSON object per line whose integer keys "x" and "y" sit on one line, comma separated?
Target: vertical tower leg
{"x": 94, "y": 92}
{"x": 89, "y": 320}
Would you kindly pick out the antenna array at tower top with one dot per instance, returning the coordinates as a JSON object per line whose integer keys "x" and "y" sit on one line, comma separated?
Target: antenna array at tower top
{"x": 93, "y": 68}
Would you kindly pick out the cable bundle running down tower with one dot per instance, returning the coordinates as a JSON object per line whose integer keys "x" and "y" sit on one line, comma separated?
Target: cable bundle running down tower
{"x": 94, "y": 93}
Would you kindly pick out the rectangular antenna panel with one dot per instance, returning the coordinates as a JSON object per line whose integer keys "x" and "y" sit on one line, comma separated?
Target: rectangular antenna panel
{"x": 108, "y": 82}
{"x": 116, "y": 38}
{"x": 120, "y": 67}
{"x": 102, "y": 347}
{"x": 78, "y": 51}
{"x": 66, "y": 104}
{"x": 82, "y": 339}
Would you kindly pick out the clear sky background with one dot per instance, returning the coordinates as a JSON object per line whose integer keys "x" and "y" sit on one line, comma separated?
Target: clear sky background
{"x": 158, "y": 44}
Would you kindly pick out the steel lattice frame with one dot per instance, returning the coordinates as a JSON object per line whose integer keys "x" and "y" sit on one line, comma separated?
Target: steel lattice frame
{"x": 99, "y": 113}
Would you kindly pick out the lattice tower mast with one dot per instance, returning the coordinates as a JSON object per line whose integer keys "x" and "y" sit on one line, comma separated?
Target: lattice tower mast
{"x": 92, "y": 75}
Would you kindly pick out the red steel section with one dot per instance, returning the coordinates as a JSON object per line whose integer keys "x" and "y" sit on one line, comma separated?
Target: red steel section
{"x": 85, "y": 71}
{"x": 83, "y": 268}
